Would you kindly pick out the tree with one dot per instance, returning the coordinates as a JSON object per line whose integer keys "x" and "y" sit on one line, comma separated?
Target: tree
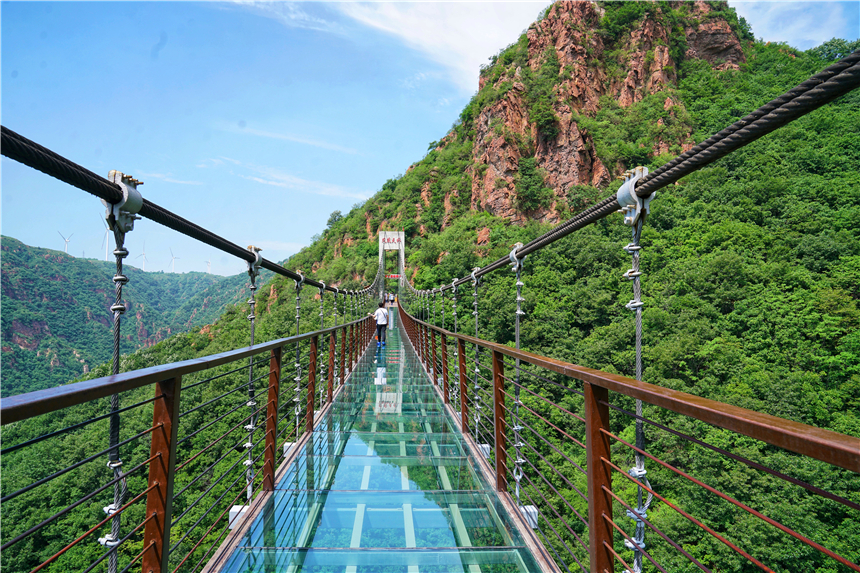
{"x": 334, "y": 218}
{"x": 834, "y": 49}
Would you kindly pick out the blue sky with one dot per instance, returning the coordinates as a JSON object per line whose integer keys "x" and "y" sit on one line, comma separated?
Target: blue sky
{"x": 256, "y": 120}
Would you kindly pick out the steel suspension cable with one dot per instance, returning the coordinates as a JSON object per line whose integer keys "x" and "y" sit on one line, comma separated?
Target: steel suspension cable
{"x": 19, "y": 148}
{"x": 820, "y": 89}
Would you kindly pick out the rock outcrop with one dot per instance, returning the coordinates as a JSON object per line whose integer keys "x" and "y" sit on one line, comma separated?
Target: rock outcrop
{"x": 641, "y": 64}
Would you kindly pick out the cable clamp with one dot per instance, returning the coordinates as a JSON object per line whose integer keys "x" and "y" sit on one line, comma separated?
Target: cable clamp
{"x": 108, "y": 541}
{"x": 120, "y": 308}
{"x": 639, "y": 545}
{"x": 637, "y": 473}
{"x": 516, "y": 262}
{"x": 114, "y": 464}
{"x": 110, "y": 509}
{"x": 631, "y": 248}
{"x": 300, "y": 283}
{"x": 252, "y": 316}
{"x": 124, "y": 212}
{"x": 633, "y": 206}
{"x": 247, "y": 463}
{"x": 631, "y": 274}
{"x": 475, "y": 280}
{"x": 248, "y": 445}
{"x": 634, "y": 305}
{"x": 254, "y": 266}
{"x": 251, "y": 403}
{"x": 122, "y": 279}
{"x": 637, "y": 515}
{"x": 250, "y": 427}
{"x": 521, "y": 313}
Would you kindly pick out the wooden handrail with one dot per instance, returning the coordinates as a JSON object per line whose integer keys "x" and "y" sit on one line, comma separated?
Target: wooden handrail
{"x": 818, "y": 443}
{"x": 24, "y": 406}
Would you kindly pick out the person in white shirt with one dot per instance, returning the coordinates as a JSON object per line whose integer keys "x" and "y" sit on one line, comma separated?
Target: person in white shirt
{"x": 381, "y": 316}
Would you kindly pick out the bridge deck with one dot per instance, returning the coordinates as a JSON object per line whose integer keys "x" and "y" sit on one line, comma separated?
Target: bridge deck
{"x": 385, "y": 485}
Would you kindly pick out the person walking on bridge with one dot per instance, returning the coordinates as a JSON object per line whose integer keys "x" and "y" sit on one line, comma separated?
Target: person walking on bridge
{"x": 381, "y": 316}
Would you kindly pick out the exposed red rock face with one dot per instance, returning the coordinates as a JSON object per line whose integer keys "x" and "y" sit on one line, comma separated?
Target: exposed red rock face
{"x": 715, "y": 42}
{"x": 273, "y": 298}
{"x": 650, "y": 68}
{"x": 569, "y": 30}
{"x": 28, "y": 336}
{"x": 449, "y": 207}
{"x": 504, "y": 132}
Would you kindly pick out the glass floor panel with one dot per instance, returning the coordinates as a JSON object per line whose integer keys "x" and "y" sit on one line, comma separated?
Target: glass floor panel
{"x": 266, "y": 560}
{"x": 381, "y": 474}
{"x": 385, "y": 477}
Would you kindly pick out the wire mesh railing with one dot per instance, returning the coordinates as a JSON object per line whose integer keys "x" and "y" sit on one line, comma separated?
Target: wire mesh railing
{"x": 558, "y": 447}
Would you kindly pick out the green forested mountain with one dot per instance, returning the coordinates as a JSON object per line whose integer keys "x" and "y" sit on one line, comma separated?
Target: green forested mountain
{"x": 751, "y": 266}
{"x": 56, "y": 319}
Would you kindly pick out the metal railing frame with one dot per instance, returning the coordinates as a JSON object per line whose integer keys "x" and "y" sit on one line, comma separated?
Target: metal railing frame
{"x": 167, "y": 383}
{"x": 820, "y": 444}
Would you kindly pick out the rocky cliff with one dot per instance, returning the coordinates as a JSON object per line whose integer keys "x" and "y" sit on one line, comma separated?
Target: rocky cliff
{"x": 592, "y": 64}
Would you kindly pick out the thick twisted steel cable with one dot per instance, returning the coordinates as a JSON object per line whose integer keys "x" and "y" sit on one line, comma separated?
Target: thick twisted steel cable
{"x": 17, "y": 147}
{"x": 788, "y": 96}
{"x": 824, "y": 87}
{"x": 801, "y": 105}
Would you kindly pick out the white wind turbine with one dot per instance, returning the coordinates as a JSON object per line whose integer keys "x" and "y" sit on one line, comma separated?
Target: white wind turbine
{"x": 143, "y": 254}
{"x": 105, "y": 242}
{"x": 172, "y": 262}
{"x": 66, "y": 240}
{"x": 209, "y": 266}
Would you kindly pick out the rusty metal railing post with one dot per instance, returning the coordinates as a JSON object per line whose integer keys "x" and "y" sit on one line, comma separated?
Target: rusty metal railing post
{"x": 159, "y": 501}
{"x": 354, "y": 359}
{"x": 332, "y": 349}
{"x": 464, "y": 407}
{"x": 344, "y": 340}
{"x": 445, "y": 369}
{"x": 312, "y": 383}
{"x": 434, "y": 370}
{"x": 600, "y": 532}
{"x": 499, "y": 405}
{"x": 272, "y": 420}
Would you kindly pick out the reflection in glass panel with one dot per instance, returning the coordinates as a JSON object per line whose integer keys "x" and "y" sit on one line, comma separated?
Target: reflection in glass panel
{"x": 385, "y": 477}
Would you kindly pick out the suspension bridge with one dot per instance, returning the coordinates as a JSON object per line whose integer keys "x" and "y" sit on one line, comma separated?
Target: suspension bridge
{"x": 437, "y": 452}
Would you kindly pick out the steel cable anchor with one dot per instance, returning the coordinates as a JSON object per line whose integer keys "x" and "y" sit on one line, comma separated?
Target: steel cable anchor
{"x": 635, "y": 209}
{"x": 529, "y": 512}
{"x": 120, "y": 217}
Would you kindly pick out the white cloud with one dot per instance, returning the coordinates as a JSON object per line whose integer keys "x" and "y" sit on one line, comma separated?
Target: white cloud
{"x": 277, "y": 178}
{"x": 458, "y": 35}
{"x": 414, "y": 81}
{"x": 802, "y": 25}
{"x": 167, "y": 177}
{"x": 294, "y": 139}
{"x": 290, "y": 14}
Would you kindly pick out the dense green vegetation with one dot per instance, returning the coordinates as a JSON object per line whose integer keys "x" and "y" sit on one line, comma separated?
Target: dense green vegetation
{"x": 56, "y": 320}
{"x": 751, "y": 287}
{"x": 752, "y": 269}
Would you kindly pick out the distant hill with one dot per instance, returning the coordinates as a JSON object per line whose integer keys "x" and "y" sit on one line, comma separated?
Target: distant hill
{"x": 56, "y": 322}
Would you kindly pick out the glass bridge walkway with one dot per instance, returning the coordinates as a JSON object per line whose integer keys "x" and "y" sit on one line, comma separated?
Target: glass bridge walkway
{"x": 385, "y": 485}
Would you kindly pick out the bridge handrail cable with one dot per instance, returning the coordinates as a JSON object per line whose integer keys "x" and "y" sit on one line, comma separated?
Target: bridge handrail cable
{"x": 823, "y": 87}
{"x": 19, "y": 148}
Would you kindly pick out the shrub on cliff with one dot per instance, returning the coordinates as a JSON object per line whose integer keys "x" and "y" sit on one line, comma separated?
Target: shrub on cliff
{"x": 530, "y": 189}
